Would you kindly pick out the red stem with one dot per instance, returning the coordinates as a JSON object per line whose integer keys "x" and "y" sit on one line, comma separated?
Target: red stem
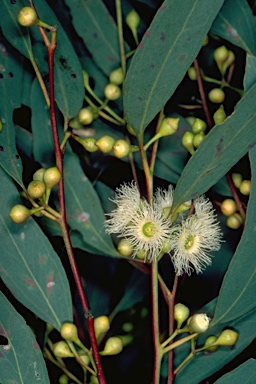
{"x": 171, "y": 329}
{"x": 59, "y": 162}
{"x": 235, "y": 196}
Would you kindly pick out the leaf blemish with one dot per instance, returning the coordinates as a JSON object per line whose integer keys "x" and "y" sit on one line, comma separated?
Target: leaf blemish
{"x": 152, "y": 65}
{"x": 219, "y": 147}
{"x": 83, "y": 217}
{"x": 140, "y": 46}
{"x": 147, "y": 34}
{"x": 95, "y": 35}
{"x": 22, "y": 236}
{"x": 162, "y": 37}
{"x": 110, "y": 58}
{"x": 29, "y": 282}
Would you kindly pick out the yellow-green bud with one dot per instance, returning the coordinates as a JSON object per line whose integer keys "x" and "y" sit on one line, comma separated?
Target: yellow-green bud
{"x": 116, "y": 77}
{"x": 192, "y": 73}
{"x": 227, "y": 338}
{"x": 216, "y": 95}
{"x": 228, "y": 207}
{"x": 84, "y": 357}
{"x": 27, "y": 17}
{"x": 101, "y": 325}
{"x": 52, "y": 177}
{"x": 132, "y": 20}
{"x": 209, "y": 343}
{"x": 191, "y": 119}
{"x": 237, "y": 179}
{"x": 89, "y": 143}
{"x": 113, "y": 346}
{"x": 234, "y": 221}
{"x": 168, "y": 126}
{"x": 69, "y": 332}
{"x": 75, "y": 123}
{"x": 187, "y": 141}
{"x": 36, "y": 189}
{"x": 85, "y": 116}
{"x": 63, "y": 379}
{"x": 199, "y": 126}
{"x": 245, "y": 187}
{"x": 61, "y": 349}
{"x": 105, "y": 143}
{"x": 198, "y": 323}
{"x": 121, "y": 148}
{"x": 19, "y": 213}
{"x": 112, "y": 92}
{"x": 142, "y": 255}
{"x": 220, "y": 55}
{"x": 220, "y": 115}
{"x": 94, "y": 380}
{"x": 206, "y": 40}
{"x": 39, "y": 174}
{"x": 181, "y": 313}
{"x": 125, "y": 247}
{"x": 198, "y": 139}
{"x": 127, "y": 327}
{"x": 229, "y": 61}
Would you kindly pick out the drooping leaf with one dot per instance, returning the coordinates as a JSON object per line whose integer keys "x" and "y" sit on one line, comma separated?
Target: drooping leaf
{"x": 95, "y": 26}
{"x": 28, "y": 264}
{"x": 10, "y": 95}
{"x": 167, "y": 49}
{"x": 250, "y": 72}
{"x": 21, "y": 359}
{"x": 235, "y": 23}
{"x": 84, "y": 212}
{"x": 236, "y": 296}
{"x": 245, "y": 374}
{"x": 221, "y": 149}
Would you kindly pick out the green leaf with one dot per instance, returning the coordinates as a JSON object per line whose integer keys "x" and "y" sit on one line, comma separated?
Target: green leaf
{"x": 245, "y": 374}
{"x": 165, "y": 53}
{"x": 221, "y": 149}
{"x": 84, "y": 212}
{"x": 250, "y": 72}
{"x": 30, "y": 268}
{"x": 237, "y": 292}
{"x": 21, "y": 360}
{"x": 95, "y": 26}
{"x": 10, "y": 96}
{"x": 236, "y": 24}
{"x": 69, "y": 84}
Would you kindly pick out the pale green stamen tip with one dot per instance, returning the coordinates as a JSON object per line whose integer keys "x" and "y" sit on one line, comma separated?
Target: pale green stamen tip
{"x": 189, "y": 242}
{"x": 148, "y": 229}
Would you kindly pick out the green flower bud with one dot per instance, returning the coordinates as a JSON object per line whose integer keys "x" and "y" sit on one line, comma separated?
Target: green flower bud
{"x": 52, "y": 177}
{"x": 85, "y": 358}
{"x": 227, "y": 338}
{"x": 112, "y": 92}
{"x": 199, "y": 323}
{"x": 142, "y": 255}
{"x": 237, "y": 179}
{"x": 116, "y": 77}
{"x": 133, "y": 20}
{"x": 228, "y": 207}
{"x": 187, "y": 141}
{"x": 192, "y": 73}
{"x": 216, "y": 95}
{"x": 191, "y": 120}
{"x": 210, "y": 344}
{"x": 19, "y": 213}
{"x": 63, "y": 379}
{"x": 89, "y": 143}
{"x": 113, "y": 346}
{"x": 206, "y": 40}
{"x": 245, "y": 187}
{"x": 221, "y": 55}
{"x": 61, "y": 349}
{"x": 181, "y": 313}
{"x": 168, "y": 126}
{"x": 39, "y": 174}
{"x": 105, "y": 143}
{"x": 36, "y": 189}
{"x": 125, "y": 247}
{"x": 220, "y": 115}
{"x": 75, "y": 123}
{"x": 198, "y": 139}
{"x": 69, "y": 332}
{"x": 234, "y": 221}
{"x": 101, "y": 325}
{"x": 27, "y": 17}
{"x": 229, "y": 61}
{"x": 85, "y": 116}
{"x": 127, "y": 327}
{"x": 199, "y": 126}
{"x": 121, "y": 148}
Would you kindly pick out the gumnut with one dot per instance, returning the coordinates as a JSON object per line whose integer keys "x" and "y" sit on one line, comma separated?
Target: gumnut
{"x": 85, "y": 116}
{"x": 121, "y": 148}
{"x": 227, "y": 338}
{"x": 69, "y": 332}
{"x": 88, "y": 143}
{"x": 245, "y": 187}
{"x": 221, "y": 55}
{"x": 210, "y": 345}
{"x": 52, "y": 177}
{"x": 132, "y": 20}
{"x": 168, "y": 126}
{"x": 36, "y": 189}
{"x": 237, "y": 179}
{"x": 181, "y": 313}
{"x": 220, "y": 115}
{"x": 192, "y": 73}
{"x": 112, "y": 92}
{"x": 198, "y": 139}
{"x": 63, "y": 379}
{"x": 228, "y": 207}
{"x": 199, "y": 126}
{"x": 19, "y": 213}
{"x": 27, "y": 17}
{"x": 61, "y": 349}
{"x": 125, "y": 247}
{"x": 105, "y": 143}
{"x": 101, "y": 325}
{"x": 187, "y": 141}
{"x": 216, "y": 95}
{"x": 116, "y": 77}
{"x": 39, "y": 174}
{"x": 234, "y": 221}
{"x": 113, "y": 346}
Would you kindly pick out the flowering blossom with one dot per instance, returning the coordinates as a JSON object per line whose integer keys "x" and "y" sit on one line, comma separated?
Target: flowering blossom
{"x": 150, "y": 230}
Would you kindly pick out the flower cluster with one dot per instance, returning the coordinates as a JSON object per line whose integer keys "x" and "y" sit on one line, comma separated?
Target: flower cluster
{"x": 151, "y": 230}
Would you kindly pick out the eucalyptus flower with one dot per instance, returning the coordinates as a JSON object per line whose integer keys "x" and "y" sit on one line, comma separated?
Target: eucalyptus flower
{"x": 195, "y": 238}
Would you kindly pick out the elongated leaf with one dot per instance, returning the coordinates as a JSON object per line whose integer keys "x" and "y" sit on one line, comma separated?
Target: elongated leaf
{"x": 238, "y": 289}
{"x": 222, "y": 148}
{"x": 250, "y": 72}
{"x": 245, "y": 374}
{"x": 10, "y": 94}
{"x": 166, "y": 51}
{"x": 21, "y": 360}
{"x": 28, "y": 264}
{"x": 95, "y": 26}
{"x": 84, "y": 212}
{"x": 235, "y": 23}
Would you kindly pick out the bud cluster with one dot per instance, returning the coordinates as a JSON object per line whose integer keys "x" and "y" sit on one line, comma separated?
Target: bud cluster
{"x": 192, "y": 140}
